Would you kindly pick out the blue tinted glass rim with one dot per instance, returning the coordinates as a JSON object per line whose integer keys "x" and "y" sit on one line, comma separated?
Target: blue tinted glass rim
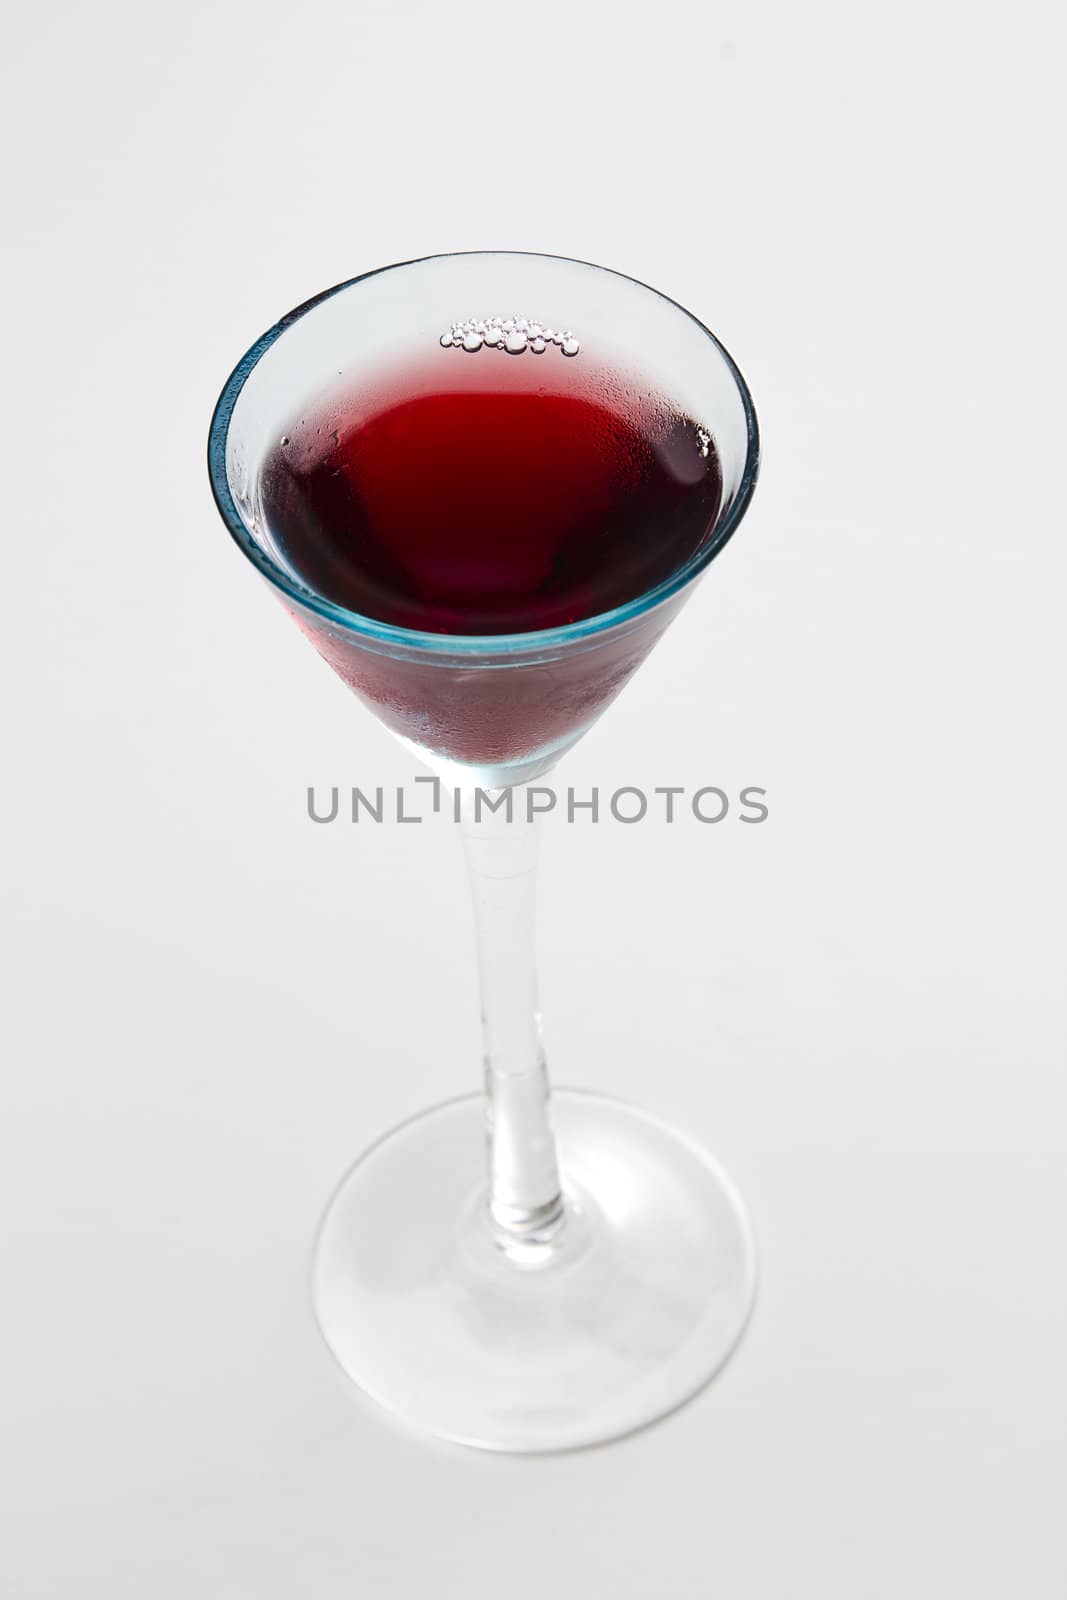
{"x": 451, "y": 643}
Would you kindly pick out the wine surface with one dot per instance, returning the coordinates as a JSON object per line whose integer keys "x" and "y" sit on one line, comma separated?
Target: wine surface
{"x": 480, "y": 492}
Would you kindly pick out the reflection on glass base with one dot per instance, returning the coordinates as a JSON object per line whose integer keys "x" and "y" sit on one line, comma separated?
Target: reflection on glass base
{"x": 635, "y": 1304}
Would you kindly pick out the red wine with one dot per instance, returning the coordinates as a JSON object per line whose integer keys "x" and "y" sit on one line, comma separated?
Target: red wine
{"x": 485, "y": 493}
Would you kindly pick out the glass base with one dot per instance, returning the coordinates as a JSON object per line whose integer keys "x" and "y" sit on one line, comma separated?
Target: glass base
{"x": 628, "y": 1311}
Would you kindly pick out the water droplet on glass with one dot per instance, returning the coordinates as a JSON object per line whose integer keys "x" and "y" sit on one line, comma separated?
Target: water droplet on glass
{"x": 513, "y": 334}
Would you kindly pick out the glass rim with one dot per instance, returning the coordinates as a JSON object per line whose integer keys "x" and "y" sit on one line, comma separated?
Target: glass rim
{"x": 458, "y": 643}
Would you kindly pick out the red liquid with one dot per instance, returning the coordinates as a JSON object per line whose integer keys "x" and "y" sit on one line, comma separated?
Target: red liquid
{"x": 484, "y": 493}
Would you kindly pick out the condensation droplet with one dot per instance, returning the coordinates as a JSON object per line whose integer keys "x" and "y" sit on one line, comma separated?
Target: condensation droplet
{"x": 513, "y": 334}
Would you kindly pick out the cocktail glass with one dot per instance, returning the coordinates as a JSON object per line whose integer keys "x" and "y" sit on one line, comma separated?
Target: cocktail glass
{"x": 510, "y": 1269}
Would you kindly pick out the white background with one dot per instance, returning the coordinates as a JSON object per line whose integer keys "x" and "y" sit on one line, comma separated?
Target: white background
{"x": 215, "y": 1005}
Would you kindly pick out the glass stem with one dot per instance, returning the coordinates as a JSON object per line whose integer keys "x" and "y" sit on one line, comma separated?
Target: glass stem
{"x": 525, "y": 1198}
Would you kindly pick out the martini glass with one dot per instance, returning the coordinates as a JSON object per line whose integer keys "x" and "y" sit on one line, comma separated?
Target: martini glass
{"x": 509, "y": 1269}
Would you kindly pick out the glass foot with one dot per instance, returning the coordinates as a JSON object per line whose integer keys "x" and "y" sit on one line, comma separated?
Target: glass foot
{"x": 622, "y": 1316}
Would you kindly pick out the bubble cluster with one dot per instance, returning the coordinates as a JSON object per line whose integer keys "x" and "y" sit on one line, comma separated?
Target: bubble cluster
{"x": 515, "y": 335}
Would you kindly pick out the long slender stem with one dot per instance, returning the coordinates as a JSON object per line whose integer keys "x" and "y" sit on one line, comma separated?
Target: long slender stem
{"x": 525, "y": 1198}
